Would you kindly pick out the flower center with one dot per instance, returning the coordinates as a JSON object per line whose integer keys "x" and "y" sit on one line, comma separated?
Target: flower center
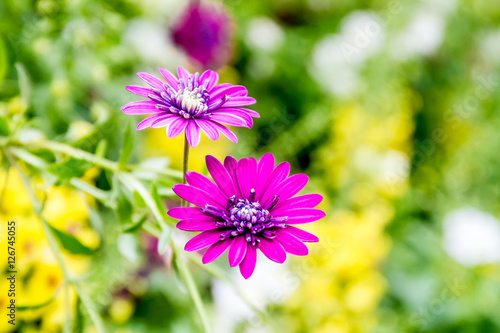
{"x": 247, "y": 218}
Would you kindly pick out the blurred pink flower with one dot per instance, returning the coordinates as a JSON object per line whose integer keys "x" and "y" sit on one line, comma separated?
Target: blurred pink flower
{"x": 204, "y": 32}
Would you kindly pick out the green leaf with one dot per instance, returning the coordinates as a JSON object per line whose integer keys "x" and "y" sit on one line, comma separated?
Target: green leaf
{"x": 138, "y": 200}
{"x": 159, "y": 203}
{"x": 124, "y": 208}
{"x": 34, "y": 307}
{"x": 136, "y": 223}
{"x": 24, "y": 83}
{"x": 4, "y": 127}
{"x": 165, "y": 237}
{"x": 69, "y": 169}
{"x": 70, "y": 243}
{"x": 128, "y": 145}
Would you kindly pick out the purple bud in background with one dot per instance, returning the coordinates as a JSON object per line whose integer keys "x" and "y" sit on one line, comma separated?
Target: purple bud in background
{"x": 203, "y": 31}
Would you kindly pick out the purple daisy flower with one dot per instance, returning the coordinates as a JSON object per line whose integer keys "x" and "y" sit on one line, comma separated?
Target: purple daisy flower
{"x": 191, "y": 103}
{"x": 204, "y": 32}
{"x": 250, "y": 206}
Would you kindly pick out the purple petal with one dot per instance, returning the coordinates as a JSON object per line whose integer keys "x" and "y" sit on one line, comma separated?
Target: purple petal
{"x": 229, "y": 119}
{"x": 240, "y": 101}
{"x": 221, "y": 87}
{"x": 264, "y": 170}
{"x": 246, "y": 174}
{"x": 164, "y": 120}
{"x": 220, "y": 175}
{"x": 235, "y": 113}
{"x": 226, "y": 131}
{"x": 232, "y": 91}
{"x": 140, "y": 107}
{"x": 303, "y": 201}
{"x": 153, "y": 81}
{"x": 272, "y": 250}
{"x": 212, "y": 77}
{"x": 182, "y": 213}
{"x": 203, "y": 240}
{"x": 207, "y": 128}
{"x": 197, "y": 224}
{"x": 195, "y": 195}
{"x": 290, "y": 186}
{"x": 251, "y": 113}
{"x": 141, "y": 91}
{"x": 193, "y": 133}
{"x": 148, "y": 121}
{"x": 183, "y": 74}
{"x": 303, "y": 215}
{"x": 215, "y": 251}
{"x": 247, "y": 266}
{"x": 176, "y": 127}
{"x": 237, "y": 251}
{"x": 301, "y": 234}
{"x": 277, "y": 176}
{"x": 291, "y": 244}
{"x": 170, "y": 78}
{"x": 203, "y": 183}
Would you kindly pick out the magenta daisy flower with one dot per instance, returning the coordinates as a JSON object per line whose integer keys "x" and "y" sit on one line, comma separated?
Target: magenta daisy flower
{"x": 251, "y": 206}
{"x": 191, "y": 103}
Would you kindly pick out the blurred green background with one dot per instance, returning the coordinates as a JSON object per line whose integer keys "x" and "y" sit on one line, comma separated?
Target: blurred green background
{"x": 391, "y": 107}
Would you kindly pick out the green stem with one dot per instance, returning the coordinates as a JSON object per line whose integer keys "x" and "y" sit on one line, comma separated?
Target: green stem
{"x": 54, "y": 246}
{"x": 185, "y": 165}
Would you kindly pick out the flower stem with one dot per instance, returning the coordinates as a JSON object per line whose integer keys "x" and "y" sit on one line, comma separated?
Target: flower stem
{"x": 185, "y": 165}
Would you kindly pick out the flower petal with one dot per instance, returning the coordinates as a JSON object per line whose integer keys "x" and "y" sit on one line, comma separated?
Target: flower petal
{"x": 183, "y": 74}
{"x": 291, "y": 244}
{"x": 164, "y": 120}
{"x": 303, "y": 215}
{"x": 289, "y": 187}
{"x": 201, "y": 241}
{"x": 226, "y": 131}
{"x": 170, "y": 78}
{"x": 193, "y": 133}
{"x": 207, "y": 128}
{"x": 141, "y": 91}
{"x": 240, "y": 101}
{"x": 236, "y": 91}
{"x": 251, "y": 113}
{"x": 148, "y": 121}
{"x": 203, "y": 183}
{"x": 237, "y": 251}
{"x": 212, "y": 77}
{"x": 182, "y": 213}
{"x": 176, "y": 127}
{"x": 231, "y": 165}
{"x": 197, "y": 224}
{"x": 301, "y": 234}
{"x": 234, "y": 113}
{"x": 272, "y": 250}
{"x": 264, "y": 171}
{"x": 277, "y": 176}
{"x": 215, "y": 251}
{"x": 302, "y": 201}
{"x": 229, "y": 119}
{"x": 220, "y": 176}
{"x": 195, "y": 195}
{"x": 140, "y": 107}
{"x": 153, "y": 81}
{"x": 247, "y": 266}
{"x": 246, "y": 174}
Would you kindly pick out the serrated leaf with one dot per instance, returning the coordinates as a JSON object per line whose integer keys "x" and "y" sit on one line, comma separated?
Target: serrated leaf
{"x": 128, "y": 145}
{"x": 165, "y": 237}
{"x": 69, "y": 169}
{"x": 70, "y": 243}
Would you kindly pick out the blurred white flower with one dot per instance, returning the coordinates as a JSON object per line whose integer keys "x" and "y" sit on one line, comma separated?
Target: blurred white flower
{"x": 151, "y": 42}
{"x": 264, "y": 34}
{"x": 270, "y": 283}
{"x": 472, "y": 237}
{"x": 337, "y": 57}
{"x": 423, "y": 35}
